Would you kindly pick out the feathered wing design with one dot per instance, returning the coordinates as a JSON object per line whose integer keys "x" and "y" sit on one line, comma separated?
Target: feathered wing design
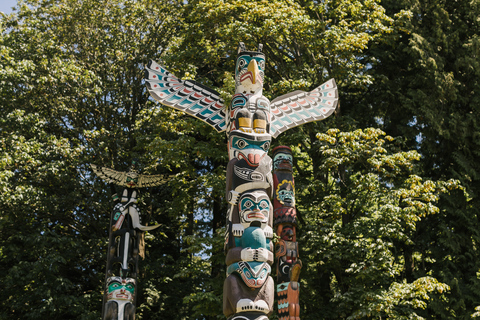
{"x": 110, "y": 175}
{"x": 120, "y": 178}
{"x": 189, "y": 96}
{"x": 299, "y": 107}
{"x": 152, "y": 180}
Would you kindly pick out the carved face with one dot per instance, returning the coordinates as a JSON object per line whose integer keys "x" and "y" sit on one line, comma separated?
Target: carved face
{"x": 285, "y": 193}
{"x": 254, "y": 206}
{"x": 250, "y": 147}
{"x": 282, "y": 160}
{"x": 254, "y": 277}
{"x": 120, "y": 289}
{"x": 249, "y": 73}
{"x": 288, "y": 232}
{"x": 132, "y": 179}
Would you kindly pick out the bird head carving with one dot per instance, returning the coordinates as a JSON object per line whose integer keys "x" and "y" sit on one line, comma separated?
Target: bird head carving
{"x": 249, "y": 71}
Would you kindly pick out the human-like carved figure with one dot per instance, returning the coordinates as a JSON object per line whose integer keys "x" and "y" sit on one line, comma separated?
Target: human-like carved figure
{"x": 124, "y": 237}
{"x": 285, "y": 221}
{"x": 120, "y": 299}
{"x": 251, "y": 121}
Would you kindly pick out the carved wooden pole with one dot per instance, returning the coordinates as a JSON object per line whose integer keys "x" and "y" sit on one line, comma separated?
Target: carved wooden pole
{"x": 125, "y": 233}
{"x": 250, "y": 123}
{"x": 248, "y": 291}
{"x": 285, "y": 222}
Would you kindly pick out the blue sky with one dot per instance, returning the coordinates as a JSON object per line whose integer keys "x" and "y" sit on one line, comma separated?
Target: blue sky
{"x": 6, "y": 5}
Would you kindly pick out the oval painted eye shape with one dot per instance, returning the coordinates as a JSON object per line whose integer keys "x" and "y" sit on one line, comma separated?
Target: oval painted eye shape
{"x": 264, "y": 204}
{"x": 247, "y": 204}
{"x": 241, "y": 64}
{"x": 241, "y": 144}
{"x": 266, "y": 146}
{"x": 115, "y": 285}
{"x": 261, "y": 64}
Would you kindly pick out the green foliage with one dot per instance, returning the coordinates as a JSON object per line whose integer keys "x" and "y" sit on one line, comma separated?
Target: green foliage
{"x": 384, "y": 232}
{"x": 359, "y": 234}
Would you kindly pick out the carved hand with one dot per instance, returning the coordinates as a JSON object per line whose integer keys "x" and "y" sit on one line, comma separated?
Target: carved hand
{"x": 237, "y": 230}
{"x": 249, "y": 254}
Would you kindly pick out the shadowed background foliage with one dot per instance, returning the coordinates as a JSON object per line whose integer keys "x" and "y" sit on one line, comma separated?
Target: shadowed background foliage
{"x": 387, "y": 188}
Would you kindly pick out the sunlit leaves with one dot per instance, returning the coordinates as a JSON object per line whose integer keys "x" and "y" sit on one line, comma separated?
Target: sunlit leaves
{"x": 363, "y": 230}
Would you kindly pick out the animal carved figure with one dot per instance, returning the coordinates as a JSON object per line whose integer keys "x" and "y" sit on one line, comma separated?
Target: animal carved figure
{"x": 124, "y": 237}
{"x": 250, "y": 122}
{"x": 285, "y": 224}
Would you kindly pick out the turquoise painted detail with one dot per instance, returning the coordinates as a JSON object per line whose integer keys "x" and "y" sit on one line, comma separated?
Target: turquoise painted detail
{"x": 117, "y": 215}
{"x": 283, "y": 305}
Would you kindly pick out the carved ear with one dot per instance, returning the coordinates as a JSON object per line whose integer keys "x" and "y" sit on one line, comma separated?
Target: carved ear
{"x": 260, "y": 47}
{"x": 241, "y": 47}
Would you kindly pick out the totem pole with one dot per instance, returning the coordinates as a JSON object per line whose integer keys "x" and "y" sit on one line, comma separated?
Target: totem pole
{"x": 250, "y": 123}
{"x": 123, "y": 245}
{"x": 285, "y": 224}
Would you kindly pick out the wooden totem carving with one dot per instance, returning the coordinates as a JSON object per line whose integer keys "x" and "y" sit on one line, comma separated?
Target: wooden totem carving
{"x": 250, "y": 122}
{"x": 285, "y": 224}
{"x": 123, "y": 244}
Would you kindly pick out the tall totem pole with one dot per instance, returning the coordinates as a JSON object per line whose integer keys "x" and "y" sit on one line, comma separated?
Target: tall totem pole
{"x": 123, "y": 245}
{"x": 250, "y": 122}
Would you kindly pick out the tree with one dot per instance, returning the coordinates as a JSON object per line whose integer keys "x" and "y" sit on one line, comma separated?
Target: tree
{"x": 360, "y": 232}
{"x": 383, "y": 234}
{"x": 425, "y": 90}
{"x": 71, "y": 94}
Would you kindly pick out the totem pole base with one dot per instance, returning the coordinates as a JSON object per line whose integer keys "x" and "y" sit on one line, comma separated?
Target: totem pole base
{"x": 249, "y": 316}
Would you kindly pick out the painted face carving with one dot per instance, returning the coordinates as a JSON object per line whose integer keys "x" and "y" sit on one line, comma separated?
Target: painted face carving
{"x": 254, "y": 277}
{"x": 120, "y": 289}
{"x": 282, "y": 160}
{"x": 254, "y": 206}
{"x": 288, "y": 232}
{"x": 285, "y": 193}
{"x": 249, "y": 73}
{"x": 252, "y": 148}
{"x": 132, "y": 179}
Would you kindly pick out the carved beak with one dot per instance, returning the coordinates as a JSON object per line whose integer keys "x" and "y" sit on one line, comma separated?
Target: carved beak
{"x": 253, "y": 68}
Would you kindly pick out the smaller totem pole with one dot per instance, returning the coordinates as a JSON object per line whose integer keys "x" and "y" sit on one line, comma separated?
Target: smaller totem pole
{"x": 285, "y": 224}
{"x": 123, "y": 244}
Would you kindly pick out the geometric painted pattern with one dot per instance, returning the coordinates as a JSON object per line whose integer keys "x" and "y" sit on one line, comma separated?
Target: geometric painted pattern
{"x": 189, "y": 96}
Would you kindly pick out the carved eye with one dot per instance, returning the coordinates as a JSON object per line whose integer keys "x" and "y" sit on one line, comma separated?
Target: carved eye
{"x": 241, "y": 64}
{"x": 248, "y": 204}
{"x": 264, "y": 204}
{"x": 241, "y": 144}
{"x": 266, "y": 146}
{"x": 261, "y": 64}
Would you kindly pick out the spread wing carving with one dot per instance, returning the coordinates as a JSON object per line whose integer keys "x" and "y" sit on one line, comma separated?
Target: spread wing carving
{"x": 129, "y": 179}
{"x": 152, "y": 180}
{"x": 299, "y": 107}
{"x": 189, "y": 96}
